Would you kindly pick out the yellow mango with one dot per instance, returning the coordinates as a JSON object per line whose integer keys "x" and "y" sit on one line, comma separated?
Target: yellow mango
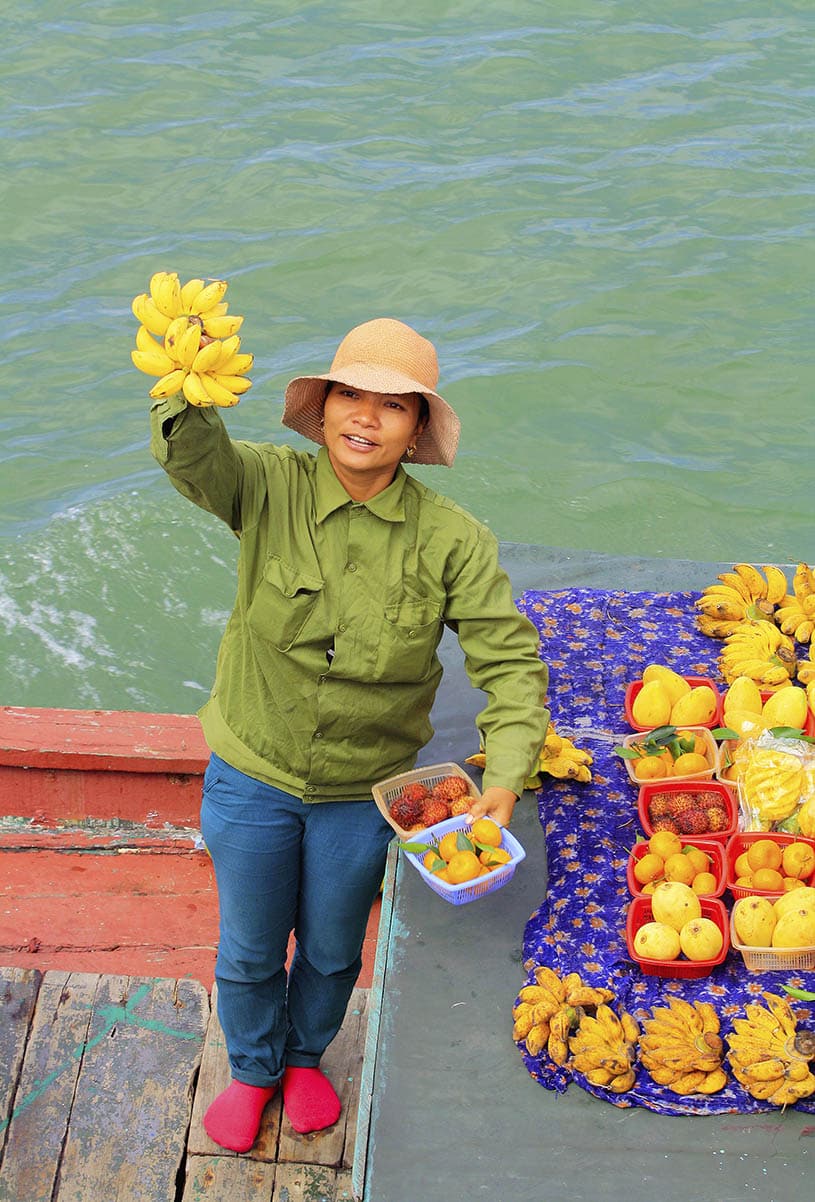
{"x": 795, "y": 927}
{"x": 754, "y": 919}
{"x": 652, "y": 705}
{"x": 796, "y": 899}
{"x": 694, "y": 708}
{"x": 743, "y": 694}
{"x": 674, "y": 684}
{"x": 787, "y": 707}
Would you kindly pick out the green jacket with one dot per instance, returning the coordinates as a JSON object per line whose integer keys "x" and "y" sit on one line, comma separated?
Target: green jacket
{"x": 327, "y": 669}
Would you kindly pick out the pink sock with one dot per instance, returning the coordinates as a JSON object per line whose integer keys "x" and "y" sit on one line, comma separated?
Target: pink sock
{"x": 233, "y": 1119}
{"x": 310, "y": 1100}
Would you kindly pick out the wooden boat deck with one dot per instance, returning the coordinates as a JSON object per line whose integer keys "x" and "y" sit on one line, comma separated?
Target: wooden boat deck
{"x": 105, "y": 1079}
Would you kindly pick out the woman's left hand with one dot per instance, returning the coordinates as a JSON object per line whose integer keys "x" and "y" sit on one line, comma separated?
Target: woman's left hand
{"x": 495, "y": 803}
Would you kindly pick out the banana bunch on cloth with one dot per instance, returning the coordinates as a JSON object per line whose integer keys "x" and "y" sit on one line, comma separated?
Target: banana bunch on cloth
{"x": 743, "y": 595}
{"x": 604, "y": 1049}
{"x": 769, "y": 1056}
{"x": 795, "y": 614}
{"x": 559, "y": 758}
{"x": 761, "y": 651}
{"x": 187, "y": 339}
{"x": 681, "y": 1047}
{"x": 547, "y": 1009}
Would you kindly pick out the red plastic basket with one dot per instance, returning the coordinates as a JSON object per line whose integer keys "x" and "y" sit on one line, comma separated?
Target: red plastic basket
{"x": 740, "y": 842}
{"x": 640, "y": 912}
{"x": 634, "y": 688}
{"x": 712, "y": 847}
{"x": 652, "y": 787}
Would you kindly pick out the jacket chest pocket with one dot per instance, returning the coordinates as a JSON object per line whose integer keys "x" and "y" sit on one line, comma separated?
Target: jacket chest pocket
{"x": 409, "y": 634}
{"x": 284, "y": 601}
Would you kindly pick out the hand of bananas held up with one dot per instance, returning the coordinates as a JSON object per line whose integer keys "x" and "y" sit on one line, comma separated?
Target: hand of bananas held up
{"x": 767, "y": 1054}
{"x": 681, "y": 1048}
{"x": 186, "y": 338}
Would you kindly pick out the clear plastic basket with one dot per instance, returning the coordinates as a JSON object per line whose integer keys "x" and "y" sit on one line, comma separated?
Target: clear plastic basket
{"x": 467, "y": 891}
{"x": 773, "y": 959}
{"x": 386, "y": 791}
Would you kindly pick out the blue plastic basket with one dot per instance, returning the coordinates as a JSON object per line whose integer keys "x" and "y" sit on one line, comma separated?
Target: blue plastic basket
{"x": 467, "y": 891}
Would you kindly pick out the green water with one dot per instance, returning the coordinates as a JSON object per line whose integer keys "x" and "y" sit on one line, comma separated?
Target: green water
{"x": 602, "y": 214}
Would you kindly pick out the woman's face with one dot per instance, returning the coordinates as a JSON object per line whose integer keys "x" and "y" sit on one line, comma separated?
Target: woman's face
{"x": 367, "y": 434}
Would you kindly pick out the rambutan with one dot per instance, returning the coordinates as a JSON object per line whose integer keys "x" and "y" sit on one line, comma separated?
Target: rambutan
{"x": 716, "y": 819}
{"x": 415, "y": 792}
{"x": 450, "y": 787}
{"x": 434, "y": 810}
{"x": 680, "y": 802}
{"x": 405, "y": 812}
{"x": 459, "y": 806}
{"x": 664, "y": 824}
{"x": 660, "y": 806}
{"x": 692, "y": 822}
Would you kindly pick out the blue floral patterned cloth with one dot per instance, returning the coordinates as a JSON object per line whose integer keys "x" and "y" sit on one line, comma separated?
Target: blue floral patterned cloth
{"x": 595, "y": 643}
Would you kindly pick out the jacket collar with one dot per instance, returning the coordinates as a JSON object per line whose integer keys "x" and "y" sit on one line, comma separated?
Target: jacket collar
{"x": 330, "y": 494}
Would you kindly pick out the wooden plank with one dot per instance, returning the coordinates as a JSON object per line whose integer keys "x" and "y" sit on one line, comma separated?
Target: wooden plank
{"x": 130, "y": 1112}
{"x": 18, "y": 995}
{"x": 228, "y": 1179}
{"x": 101, "y": 740}
{"x": 56, "y": 796}
{"x": 305, "y": 1183}
{"x": 342, "y": 1064}
{"x": 42, "y": 1105}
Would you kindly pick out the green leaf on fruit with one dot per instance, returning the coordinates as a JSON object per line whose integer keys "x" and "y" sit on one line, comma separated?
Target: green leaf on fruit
{"x": 416, "y": 848}
{"x": 790, "y": 732}
{"x": 724, "y": 732}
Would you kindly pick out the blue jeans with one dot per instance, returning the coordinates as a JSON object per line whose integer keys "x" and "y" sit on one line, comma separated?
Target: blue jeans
{"x": 282, "y": 865}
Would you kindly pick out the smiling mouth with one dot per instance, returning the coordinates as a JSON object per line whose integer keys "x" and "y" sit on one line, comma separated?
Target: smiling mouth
{"x": 358, "y": 441}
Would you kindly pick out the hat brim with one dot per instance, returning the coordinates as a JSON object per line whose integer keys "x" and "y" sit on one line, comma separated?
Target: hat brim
{"x": 305, "y": 396}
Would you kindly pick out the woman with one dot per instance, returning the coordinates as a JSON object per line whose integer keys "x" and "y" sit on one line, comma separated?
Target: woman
{"x": 348, "y": 571}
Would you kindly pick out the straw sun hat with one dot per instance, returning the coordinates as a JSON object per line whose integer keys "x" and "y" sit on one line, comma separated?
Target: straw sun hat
{"x": 384, "y": 356}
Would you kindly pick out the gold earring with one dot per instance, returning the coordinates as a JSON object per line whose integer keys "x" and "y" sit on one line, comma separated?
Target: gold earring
{"x": 411, "y": 451}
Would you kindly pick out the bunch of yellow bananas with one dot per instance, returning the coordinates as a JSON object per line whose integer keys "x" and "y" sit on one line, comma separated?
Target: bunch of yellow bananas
{"x": 761, "y": 651}
{"x": 769, "y": 1057}
{"x": 546, "y": 1012}
{"x": 604, "y": 1048}
{"x": 743, "y": 595}
{"x": 559, "y": 757}
{"x": 196, "y": 349}
{"x": 796, "y": 611}
{"x": 681, "y": 1047}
